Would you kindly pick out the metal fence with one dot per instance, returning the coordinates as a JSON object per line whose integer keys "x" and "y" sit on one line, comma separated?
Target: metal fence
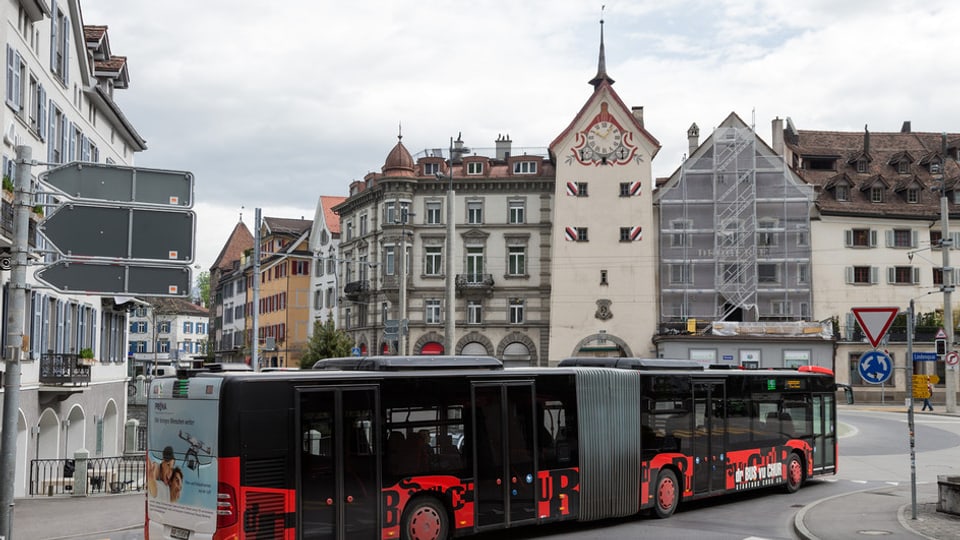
{"x": 103, "y": 475}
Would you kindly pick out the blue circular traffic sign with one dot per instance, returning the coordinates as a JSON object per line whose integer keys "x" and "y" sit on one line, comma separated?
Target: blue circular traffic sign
{"x": 875, "y": 367}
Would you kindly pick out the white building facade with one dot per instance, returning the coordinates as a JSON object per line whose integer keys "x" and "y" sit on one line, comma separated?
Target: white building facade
{"x": 59, "y": 81}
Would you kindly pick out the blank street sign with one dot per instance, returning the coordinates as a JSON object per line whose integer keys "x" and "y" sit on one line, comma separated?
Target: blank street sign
{"x": 144, "y": 234}
{"x": 124, "y": 278}
{"x": 98, "y": 181}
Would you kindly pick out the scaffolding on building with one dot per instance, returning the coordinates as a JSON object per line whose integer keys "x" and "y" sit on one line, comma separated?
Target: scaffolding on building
{"x": 734, "y": 243}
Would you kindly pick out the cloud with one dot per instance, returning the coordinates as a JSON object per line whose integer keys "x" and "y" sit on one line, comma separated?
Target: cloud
{"x": 273, "y": 105}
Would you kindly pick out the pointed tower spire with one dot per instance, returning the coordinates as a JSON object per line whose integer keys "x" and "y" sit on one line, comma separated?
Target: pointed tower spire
{"x": 602, "y": 63}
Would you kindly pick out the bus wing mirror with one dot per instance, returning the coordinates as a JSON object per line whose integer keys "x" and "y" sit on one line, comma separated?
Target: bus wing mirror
{"x": 847, "y": 392}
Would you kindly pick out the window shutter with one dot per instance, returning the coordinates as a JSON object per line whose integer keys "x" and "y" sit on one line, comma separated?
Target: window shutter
{"x": 916, "y": 275}
{"x": 66, "y": 51}
{"x": 873, "y": 238}
{"x": 848, "y": 238}
{"x": 51, "y": 144}
{"x": 53, "y": 35}
{"x": 64, "y": 124}
{"x": 891, "y": 274}
{"x": 914, "y": 238}
{"x": 850, "y": 326}
{"x": 874, "y": 274}
{"x": 9, "y": 74}
{"x": 889, "y": 236}
{"x": 42, "y": 121}
{"x": 849, "y": 272}
{"x": 72, "y": 142}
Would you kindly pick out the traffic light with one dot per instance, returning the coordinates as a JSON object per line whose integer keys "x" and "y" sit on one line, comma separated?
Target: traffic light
{"x": 941, "y": 347}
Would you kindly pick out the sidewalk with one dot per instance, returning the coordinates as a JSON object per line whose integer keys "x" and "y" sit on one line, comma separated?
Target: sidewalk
{"x": 882, "y": 511}
{"x": 49, "y": 518}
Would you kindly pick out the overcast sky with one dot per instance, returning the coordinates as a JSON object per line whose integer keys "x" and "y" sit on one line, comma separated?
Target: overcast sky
{"x": 272, "y": 104}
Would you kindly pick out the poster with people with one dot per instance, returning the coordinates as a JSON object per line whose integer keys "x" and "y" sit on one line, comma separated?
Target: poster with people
{"x": 181, "y": 467}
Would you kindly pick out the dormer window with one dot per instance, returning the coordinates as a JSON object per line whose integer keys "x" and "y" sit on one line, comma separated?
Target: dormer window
{"x": 861, "y": 166}
{"x": 841, "y": 193}
{"x": 913, "y": 195}
{"x": 474, "y": 168}
{"x": 876, "y": 194}
{"x": 903, "y": 167}
{"x": 525, "y": 167}
{"x": 430, "y": 169}
{"x": 934, "y": 167}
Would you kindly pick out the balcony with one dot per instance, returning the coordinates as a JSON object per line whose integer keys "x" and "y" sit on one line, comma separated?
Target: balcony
{"x": 63, "y": 369}
{"x": 355, "y": 290}
{"x": 474, "y": 284}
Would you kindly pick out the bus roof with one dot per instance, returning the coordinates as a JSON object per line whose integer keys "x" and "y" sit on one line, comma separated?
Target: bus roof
{"x": 641, "y": 364}
{"x": 408, "y": 363}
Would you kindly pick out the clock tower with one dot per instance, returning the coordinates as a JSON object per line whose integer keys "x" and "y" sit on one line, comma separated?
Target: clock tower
{"x": 604, "y": 261}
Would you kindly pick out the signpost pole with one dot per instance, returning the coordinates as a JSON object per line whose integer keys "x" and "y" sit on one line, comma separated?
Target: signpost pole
{"x": 910, "y": 425}
{"x": 15, "y": 341}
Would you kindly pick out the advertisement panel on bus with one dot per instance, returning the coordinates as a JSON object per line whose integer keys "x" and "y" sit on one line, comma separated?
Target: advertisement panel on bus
{"x": 182, "y": 427}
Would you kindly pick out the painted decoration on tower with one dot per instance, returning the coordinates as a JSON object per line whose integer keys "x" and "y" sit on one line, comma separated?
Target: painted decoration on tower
{"x": 604, "y": 142}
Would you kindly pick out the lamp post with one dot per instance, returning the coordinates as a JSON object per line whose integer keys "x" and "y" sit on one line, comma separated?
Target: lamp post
{"x": 402, "y": 323}
{"x": 946, "y": 244}
{"x": 450, "y": 338}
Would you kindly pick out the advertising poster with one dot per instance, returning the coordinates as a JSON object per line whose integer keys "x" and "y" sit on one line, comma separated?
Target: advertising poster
{"x": 182, "y": 427}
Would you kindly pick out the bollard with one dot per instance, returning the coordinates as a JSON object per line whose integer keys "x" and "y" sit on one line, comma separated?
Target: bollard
{"x": 80, "y": 480}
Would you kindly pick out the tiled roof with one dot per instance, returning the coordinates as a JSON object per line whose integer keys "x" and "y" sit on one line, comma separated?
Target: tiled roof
{"x": 885, "y": 150}
{"x": 329, "y": 216}
{"x": 114, "y": 63}
{"x": 176, "y": 306}
{"x": 239, "y": 241}
{"x": 93, "y": 32}
{"x": 287, "y": 226}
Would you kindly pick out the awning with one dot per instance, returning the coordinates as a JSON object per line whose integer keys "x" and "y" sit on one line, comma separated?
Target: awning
{"x": 432, "y": 348}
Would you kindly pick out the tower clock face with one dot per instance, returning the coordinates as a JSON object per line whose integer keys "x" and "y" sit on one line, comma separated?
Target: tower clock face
{"x": 603, "y": 138}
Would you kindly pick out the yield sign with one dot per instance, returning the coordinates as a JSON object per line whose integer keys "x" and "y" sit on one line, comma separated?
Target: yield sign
{"x": 875, "y": 321}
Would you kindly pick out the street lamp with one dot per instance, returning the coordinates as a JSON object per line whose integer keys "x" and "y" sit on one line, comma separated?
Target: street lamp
{"x": 405, "y": 214}
{"x": 449, "y": 342}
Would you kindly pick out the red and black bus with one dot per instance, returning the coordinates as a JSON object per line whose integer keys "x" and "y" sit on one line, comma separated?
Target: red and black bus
{"x": 439, "y": 447}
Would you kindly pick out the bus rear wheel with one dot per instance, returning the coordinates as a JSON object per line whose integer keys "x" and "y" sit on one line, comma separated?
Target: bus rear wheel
{"x": 667, "y": 494}
{"x": 425, "y": 519}
{"x": 794, "y": 474}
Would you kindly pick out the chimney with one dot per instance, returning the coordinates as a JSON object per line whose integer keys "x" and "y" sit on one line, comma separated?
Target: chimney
{"x": 456, "y": 155}
{"x": 866, "y": 140}
{"x": 693, "y": 139}
{"x": 905, "y": 128}
{"x": 776, "y": 138}
{"x": 638, "y": 114}
{"x": 503, "y": 146}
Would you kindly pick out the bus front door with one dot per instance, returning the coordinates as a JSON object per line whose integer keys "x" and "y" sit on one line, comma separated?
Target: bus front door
{"x": 709, "y": 468}
{"x": 339, "y": 497}
{"x": 502, "y": 442}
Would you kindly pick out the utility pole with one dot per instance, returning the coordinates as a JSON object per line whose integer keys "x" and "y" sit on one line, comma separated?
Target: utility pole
{"x": 946, "y": 244}
{"x": 15, "y": 340}
{"x": 450, "y": 338}
{"x": 255, "y": 301}
{"x": 403, "y": 324}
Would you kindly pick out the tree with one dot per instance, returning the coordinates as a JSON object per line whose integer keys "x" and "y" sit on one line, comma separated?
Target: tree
{"x": 202, "y": 288}
{"x": 326, "y": 342}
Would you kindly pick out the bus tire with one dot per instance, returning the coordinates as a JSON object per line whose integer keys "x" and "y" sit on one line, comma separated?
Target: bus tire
{"x": 666, "y": 494}
{"x": 794, "y": 474}
{"x": 425, "y": 519}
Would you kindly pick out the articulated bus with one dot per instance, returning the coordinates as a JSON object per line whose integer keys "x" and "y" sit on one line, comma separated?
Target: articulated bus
{"x": 421, "y": 448}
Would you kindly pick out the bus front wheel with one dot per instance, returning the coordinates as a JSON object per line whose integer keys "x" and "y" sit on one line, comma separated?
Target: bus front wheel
{"x": 425, "y": 519}
{"x": 667, "y": 494}
{"x": 794, "y": 474}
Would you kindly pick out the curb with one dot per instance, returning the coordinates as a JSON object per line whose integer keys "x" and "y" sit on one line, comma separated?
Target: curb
{"x": 802, "y": 529}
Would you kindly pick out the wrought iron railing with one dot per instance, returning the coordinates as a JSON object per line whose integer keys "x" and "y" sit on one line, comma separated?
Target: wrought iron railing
{"x": 63, "y": 368}
{"x": 117, "y": 474}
